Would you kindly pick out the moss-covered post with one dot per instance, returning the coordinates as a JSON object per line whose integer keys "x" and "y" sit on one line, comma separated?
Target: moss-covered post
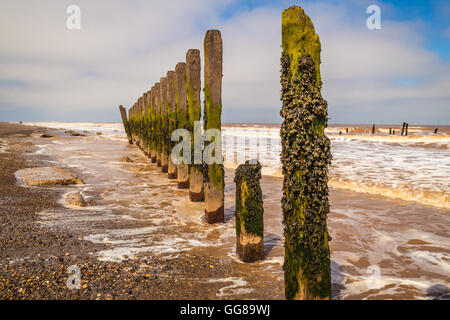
{"x": 305, "y": 159}
{"x": 126, "y": 125}
{"x": 213, "y": 173}
{"x": 153, "y": 136}
{"x": 249, "y": 212}
{"x": 182, "y": 118}
{"x": 158, "y": 123}
{"x": 145, "y": 133}
{"x": 172, "y": 123}
{"x": 149, "y": 123}
{"x": 193, "y": 87}
{"x": 164, "y": 125}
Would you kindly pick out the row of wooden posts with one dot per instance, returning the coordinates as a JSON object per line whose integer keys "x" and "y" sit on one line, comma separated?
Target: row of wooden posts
{"x": 305, "y": 155}
{"x": 174, "y": 103}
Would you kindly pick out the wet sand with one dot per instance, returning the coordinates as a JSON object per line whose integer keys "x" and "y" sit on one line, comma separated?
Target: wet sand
{"x": 34, "y": 258}
{"x": 141, "y": 238}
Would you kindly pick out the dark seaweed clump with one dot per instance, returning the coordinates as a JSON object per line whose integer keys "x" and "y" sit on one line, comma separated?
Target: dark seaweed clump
{"x": 249, "y": 212}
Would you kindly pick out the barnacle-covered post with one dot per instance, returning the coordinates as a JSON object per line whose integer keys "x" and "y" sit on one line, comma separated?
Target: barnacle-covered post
{"x": 214, "y": 173}
{"x": 182, "y": 118}
{"x": 164, "y": 125}
{"x": 249, "y": 212}
{"x": 158, "y": 123}
{"x": 193, "y": 87}
{"x": 152, "y": 120}
{"x": 305, "y": 159}
{"x": 172, "y": 122}
{"x": 126, "y": 125}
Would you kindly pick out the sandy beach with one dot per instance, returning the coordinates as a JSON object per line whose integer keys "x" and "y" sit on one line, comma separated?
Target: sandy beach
{"x": 139, "y": 237}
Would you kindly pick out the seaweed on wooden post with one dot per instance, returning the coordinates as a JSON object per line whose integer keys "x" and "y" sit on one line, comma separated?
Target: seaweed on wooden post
{"x": 193, "y": 87}
{"x": 145, "y": 133}
{"x": 126, "y": 125}
{"x": 213, "y": 172}
{"x": 153, "y": 137}
{"x": 164, "y": 125}
{"x": 249, "y": 212}
{"x": 172, "y": 123}
{"x": 182, "y": 118}
{"x": 158, "y": 123}
{"x": 305, "y": 159}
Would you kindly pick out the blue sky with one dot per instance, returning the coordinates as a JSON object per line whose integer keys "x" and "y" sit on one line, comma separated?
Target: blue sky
{"x": 48, "y": 73}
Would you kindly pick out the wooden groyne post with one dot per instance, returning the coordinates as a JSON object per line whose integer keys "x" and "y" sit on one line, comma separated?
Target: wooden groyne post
{"x": 214, "y": 172}
{"x": 172, "y": 123}
{"x": 193, "y": 87}
{"x": 164, "y": 125}
{"x": 249, "y": 213}
{"x": 158, "y": 123}
{"x": 305, "y": 159}
{"x": 126, "y": 125}
{"x": 182, "y": 118}
{"x": 373, "y": 129}
{"x": 153, "y": 136}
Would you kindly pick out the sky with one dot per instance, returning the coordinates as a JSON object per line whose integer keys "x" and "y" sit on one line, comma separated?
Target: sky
{"x": 398, "y": 73}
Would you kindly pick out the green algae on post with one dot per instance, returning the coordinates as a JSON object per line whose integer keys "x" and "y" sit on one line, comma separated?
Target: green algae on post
{"x": 249, "y": 212}
{"x": 213, "y": 172}
{"x": 153, "y": 137}
{"x": 182, "y": 118}
{"x": 164, "y": 125}
{"x": 158, "y": 123}
{"x": 305, "y": 159}
{"x": 126, "y": 125}
{"x": 193, "y": 87}
{"x": 172, "y": 123}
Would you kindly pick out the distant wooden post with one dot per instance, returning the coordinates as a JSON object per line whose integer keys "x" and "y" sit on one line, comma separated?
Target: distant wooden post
{"x": 406, "y": 128}
{"x": 390, "y": 130}
{"x": 403, "y": 128}
{"x": 182, "y": 118}
{"x": 393, "y": 132}
{"x": 145, "y": 133}
{"x": 346, "y": 130}
{"x": 126, "y": 125}
{"x": 158, "y": 123}
{"x": 436, "y": 131}
{"x": 193, "y": 87}
{"x": 172, "y": 122}
{"x": 340, "y": 132}
{"x": 373, "y": 129}
{"x": 214, "y": 173}
{"x": 305, "y": 158}
{"x": 249, "y": 212}
{"x": 153, "y": 150}
{"x": 164, "y": 125}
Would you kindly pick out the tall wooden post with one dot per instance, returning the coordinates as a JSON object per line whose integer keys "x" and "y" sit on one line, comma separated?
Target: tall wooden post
{"x": 126, "y": 125}
{"x": 214, "y": 173}
{"x": 145, "y": 133}
{"x": 172, "y": 122}
{"x": 193, "y": 87}
{"x": 249, "y": 212}
{"x": 164, "y": 124}
{"x": 182, "y": 118}
{"x": 305, "y": 158}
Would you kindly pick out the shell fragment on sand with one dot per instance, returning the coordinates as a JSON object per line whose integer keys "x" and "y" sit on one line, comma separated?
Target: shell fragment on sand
{"x": 47, "y": 176}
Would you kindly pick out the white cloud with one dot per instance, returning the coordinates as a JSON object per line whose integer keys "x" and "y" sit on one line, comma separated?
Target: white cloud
{"x": 124, "y": 47}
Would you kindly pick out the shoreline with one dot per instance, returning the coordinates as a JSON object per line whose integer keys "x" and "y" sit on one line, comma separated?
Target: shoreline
{"x": 34, "y": 260}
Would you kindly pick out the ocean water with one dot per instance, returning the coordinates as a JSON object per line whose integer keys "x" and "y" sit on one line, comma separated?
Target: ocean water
{"x": 389, "y": 198}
